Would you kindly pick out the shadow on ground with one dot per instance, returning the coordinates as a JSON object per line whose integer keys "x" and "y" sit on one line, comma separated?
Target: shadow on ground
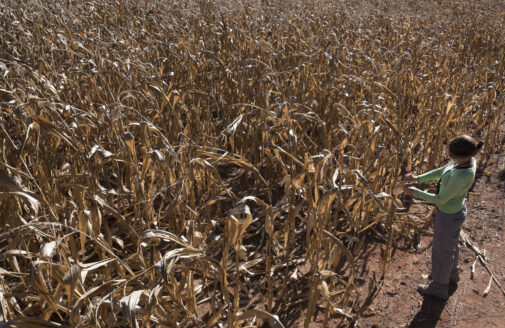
{"x": 430, "y": 312}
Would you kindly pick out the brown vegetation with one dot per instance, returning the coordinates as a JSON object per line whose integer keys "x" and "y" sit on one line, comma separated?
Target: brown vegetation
{"x": 167, "y": 163}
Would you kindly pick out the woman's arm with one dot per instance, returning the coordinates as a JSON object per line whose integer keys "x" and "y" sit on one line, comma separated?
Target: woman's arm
{"x": 449, "y": 191}
{"x": 433, "y": 174}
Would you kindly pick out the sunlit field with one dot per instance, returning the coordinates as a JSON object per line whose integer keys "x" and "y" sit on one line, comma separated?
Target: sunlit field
{"x": 219, "y": 164}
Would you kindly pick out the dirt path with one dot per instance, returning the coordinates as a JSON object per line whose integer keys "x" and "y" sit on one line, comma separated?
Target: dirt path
{"x": 399, "y": 304}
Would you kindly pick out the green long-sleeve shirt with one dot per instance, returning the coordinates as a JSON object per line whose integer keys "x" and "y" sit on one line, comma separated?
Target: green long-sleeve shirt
{"x": 454, "y": 186}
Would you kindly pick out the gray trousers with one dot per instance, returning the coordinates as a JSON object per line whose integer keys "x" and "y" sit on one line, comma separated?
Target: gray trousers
{"x": 445, "y": 252}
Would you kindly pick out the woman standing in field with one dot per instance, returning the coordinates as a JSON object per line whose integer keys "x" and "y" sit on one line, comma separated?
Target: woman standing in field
{"x": 456, "y": 178}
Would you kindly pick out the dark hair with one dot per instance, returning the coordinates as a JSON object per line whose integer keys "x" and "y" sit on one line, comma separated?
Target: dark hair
{"x": 464, "y": 146}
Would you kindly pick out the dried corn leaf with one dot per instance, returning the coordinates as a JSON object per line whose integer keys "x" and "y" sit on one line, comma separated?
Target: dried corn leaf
{"x": 7, "y": 184}
{"x": 150, "y": 234}
{"x": 273, "y": 320}
{"x": 129, "y": 305}
{"x": 32, "y": 201}
{"x": 47, "y": 249}
{"x": 32, "y": 323}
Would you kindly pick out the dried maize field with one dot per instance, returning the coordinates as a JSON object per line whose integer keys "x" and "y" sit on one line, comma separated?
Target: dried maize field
{"x": 217, "y": 164}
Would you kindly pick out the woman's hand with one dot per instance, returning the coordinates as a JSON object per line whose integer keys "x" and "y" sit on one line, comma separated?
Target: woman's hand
{"x": 408, "y": 191}
{"x": 409, "y": 177}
